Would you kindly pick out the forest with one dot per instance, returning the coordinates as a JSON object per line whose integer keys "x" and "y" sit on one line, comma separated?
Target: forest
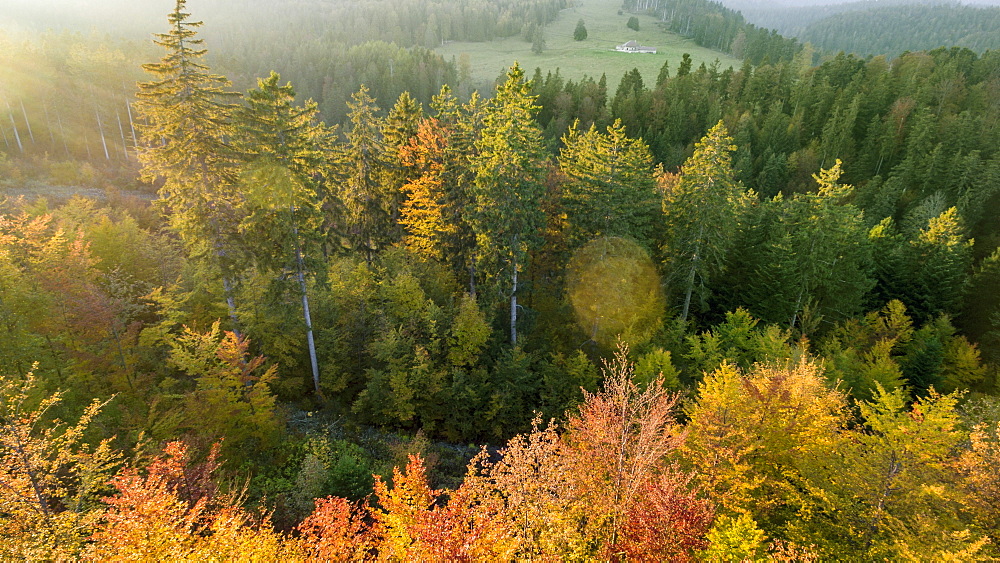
{"x": 892, "y": 30}
{"x": 717, "y": 314}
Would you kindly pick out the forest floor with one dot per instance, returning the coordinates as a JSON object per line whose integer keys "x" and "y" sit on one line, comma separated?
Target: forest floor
{"x": 592, "y": 56}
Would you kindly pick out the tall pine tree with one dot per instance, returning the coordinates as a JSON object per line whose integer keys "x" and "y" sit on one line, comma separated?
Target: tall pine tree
{"x": 510, "y": 173}
{"x": 702, "y": 214}
{"x": 185, "y": 120}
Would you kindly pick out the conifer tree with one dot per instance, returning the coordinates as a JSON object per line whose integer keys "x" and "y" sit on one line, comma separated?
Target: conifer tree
{"x": 284, "y": 147}
{"x": 510, "y": 170}
{"x": 611, "y": 190}
{"x": 702, "y": 213}
{"x": 365, "y": 196}
{"x": 185, "y": 122}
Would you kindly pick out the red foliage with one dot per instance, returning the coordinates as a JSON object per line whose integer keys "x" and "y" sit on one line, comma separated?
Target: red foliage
{"x": 667, "y": 522}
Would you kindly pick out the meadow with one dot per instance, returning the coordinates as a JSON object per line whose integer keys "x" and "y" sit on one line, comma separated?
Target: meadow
{"x": 485, "y": 61}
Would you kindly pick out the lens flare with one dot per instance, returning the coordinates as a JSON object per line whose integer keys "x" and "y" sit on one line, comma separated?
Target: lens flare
{"x": 615, "y": 291}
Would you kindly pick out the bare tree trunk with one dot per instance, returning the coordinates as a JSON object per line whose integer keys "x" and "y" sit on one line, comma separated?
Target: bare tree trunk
{"x": 62, "y": 133}
{"x": 472, "y": 276}
{"x": 227, "y": 286}
{"x": 27, "y": 123}
{"x": 100, "y": 127}
{"x": 48, "y": 125}
{"x": 300, "y": 273}
{"x": 513, "y": 308}
{"x": 121, "y": 130}
{"x": 695, "y": 258}
{"x": 13, "y": 124}
{"x": 131, "y": 125}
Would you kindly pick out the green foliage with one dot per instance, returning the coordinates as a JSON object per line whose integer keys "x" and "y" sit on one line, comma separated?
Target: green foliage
{"x": 815, "y": 264}
{"x": 740, "y": 341}
{"x": 580, "y": 32}
{"x": 231, "y": 398}
{"x": 891, "y": 30}
{"x": 656, "y": 363}
{"x": 611, "y": 191}
{"x": 735, "y": 538}
{"x": 633, "y": 23}
{"x": 892, "y": 493}
{"x": 510, "y": 168}
{"x": 702, "y": 213}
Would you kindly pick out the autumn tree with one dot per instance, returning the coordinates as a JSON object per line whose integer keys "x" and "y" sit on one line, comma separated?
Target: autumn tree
{"x": 50, "y": 477}
{"x": 618, "y": 444}
{"x": 231, "y": 399}
{"x": 891, "y": 490}
{"x": 174, "y": 509}
{"x": 423, "y": 212}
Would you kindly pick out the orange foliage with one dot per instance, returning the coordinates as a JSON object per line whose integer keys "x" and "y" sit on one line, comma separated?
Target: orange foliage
{"x": 160, "y": 515}
{"x": 337, "y": 531}
{"x": 618, "y": 443}
{"x": 414, "y": 525}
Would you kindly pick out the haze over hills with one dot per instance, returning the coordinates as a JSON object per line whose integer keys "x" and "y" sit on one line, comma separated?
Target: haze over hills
{"x": 879, "y": 27}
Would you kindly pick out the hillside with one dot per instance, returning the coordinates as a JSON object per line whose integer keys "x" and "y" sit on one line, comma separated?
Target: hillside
{"x": 891, "y": 30}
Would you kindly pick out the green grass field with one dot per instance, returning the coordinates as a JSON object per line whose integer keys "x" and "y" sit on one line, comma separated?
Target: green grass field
{"x": 593, "y": 56}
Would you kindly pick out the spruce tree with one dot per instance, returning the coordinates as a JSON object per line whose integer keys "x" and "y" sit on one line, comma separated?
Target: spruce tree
{"x": 510, "y": 172}
{"x": 611, "y": 190}
{"x": 185, "y": 121}
{"x": 284, "y": 150}
{"x": 368, "y": 201}
{"x": 702, "y": 213}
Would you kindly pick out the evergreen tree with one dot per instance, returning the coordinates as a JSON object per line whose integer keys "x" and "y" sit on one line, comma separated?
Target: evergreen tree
{"x": 611, "y": 191}
{"x": 186, "y": 123}
{"x": 285, "y": 149}
{"x": 366, "y": 197}
{"x": 510, "y": 172}
{"x": 702, "y": 212}
{"x": 815, "y": 262}
{"x": 580, "y": 33}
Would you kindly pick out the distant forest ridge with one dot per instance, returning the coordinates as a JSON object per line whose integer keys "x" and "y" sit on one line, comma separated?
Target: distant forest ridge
{"x": 887, "y": 27}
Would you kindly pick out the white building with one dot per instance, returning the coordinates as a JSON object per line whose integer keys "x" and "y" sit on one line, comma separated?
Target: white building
{"x": 633, "y": 46}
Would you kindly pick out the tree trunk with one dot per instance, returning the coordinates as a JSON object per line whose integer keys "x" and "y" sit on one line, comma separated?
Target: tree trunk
{"x": 121, "y": 131}
{"x": 27, "y": 123}
{"x": 513, "y": 308}
{"x": 472, "y": 275}
{"x": 13, "y": 124}
{"x": 100, "y": 127}
{"x": 300, "y": 273}
{"x": 131, "y": 124}
{"x": 691, "y": 275}
{"x": 62, "y": 133}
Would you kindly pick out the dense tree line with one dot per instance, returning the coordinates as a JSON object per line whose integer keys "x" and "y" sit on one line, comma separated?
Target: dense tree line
{"x": 802, "y": 250}
{"x": 891, "y": 30}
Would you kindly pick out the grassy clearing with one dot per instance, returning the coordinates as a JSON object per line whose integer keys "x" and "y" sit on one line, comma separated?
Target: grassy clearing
{"x": 593, "y": 56}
